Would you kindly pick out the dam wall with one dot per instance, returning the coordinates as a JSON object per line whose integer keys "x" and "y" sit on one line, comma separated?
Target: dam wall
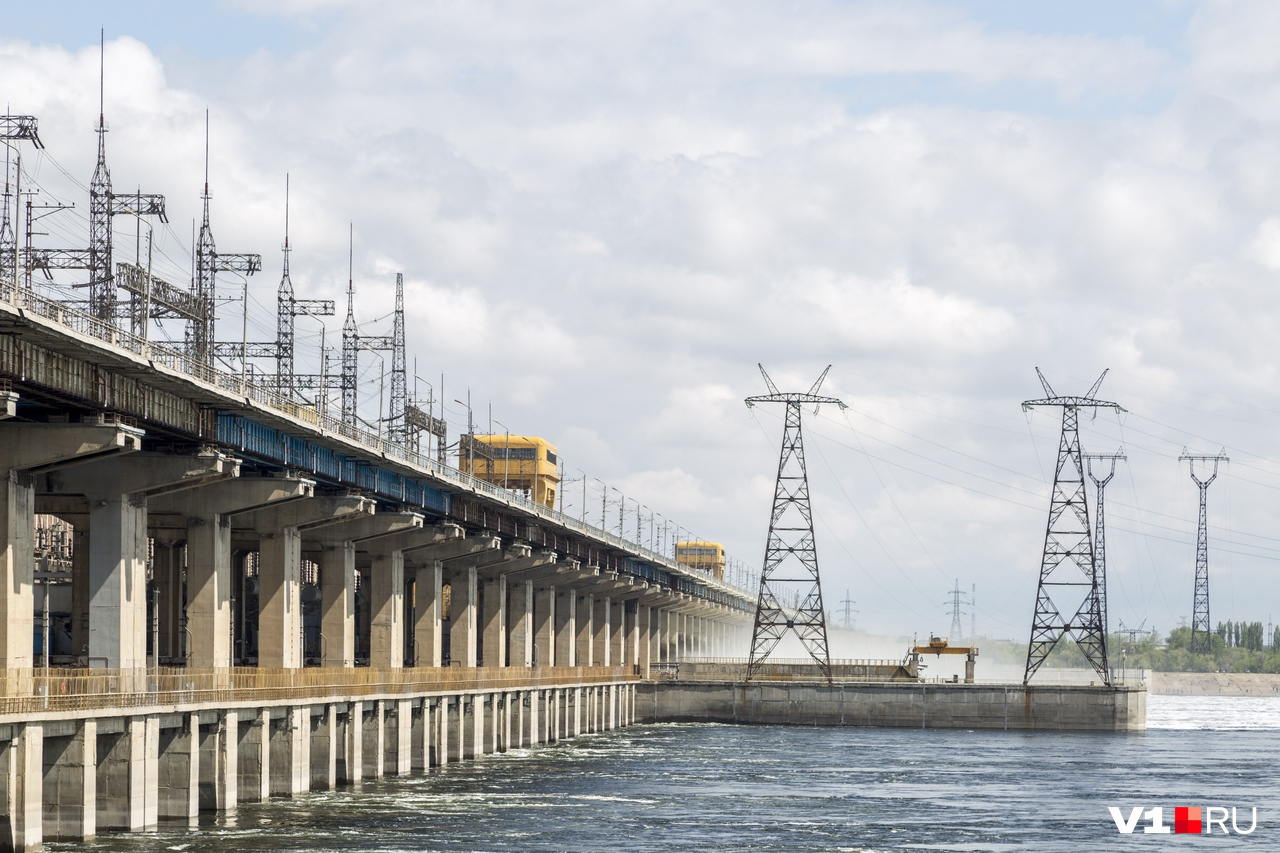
{"x": 1074, "y": 707}
{"x": 69, "y": 772}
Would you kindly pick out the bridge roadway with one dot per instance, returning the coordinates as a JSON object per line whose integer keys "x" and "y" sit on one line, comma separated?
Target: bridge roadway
{"x": 155, "y": 459}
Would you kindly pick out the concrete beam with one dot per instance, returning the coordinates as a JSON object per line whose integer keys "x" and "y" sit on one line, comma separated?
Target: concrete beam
{"x": 205, "y": 515}
{"x": 451, "y": 549}
{"x": 282, "y": 529}
{"x": 25, "y": 451}
{"x": 114, "y": 589}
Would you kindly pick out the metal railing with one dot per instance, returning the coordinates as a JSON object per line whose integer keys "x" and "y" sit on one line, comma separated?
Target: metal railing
{"x": 30, "y": 690}
{"x": 179, "y": 361}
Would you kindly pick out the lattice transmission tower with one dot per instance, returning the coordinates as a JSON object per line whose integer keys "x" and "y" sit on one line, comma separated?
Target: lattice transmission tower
{"x": 1200, "y": 630}
{"x": 1100, "y": 525}
{"x": 957, "y": 599}
{"x": 790, "y": 556}
{"x": 1068, "y": 543}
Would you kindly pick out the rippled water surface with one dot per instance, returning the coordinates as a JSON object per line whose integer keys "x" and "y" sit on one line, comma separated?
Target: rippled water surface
{"x": 715, "y": 787}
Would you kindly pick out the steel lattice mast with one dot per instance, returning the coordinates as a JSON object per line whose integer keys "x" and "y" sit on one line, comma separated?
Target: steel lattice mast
{"x": 1068, "y": 542}
{"x": 790, "y": 554}
{"x": 350, "y": 343}
{"x": 1200, "y": 625}
{"x": 1100, "y": 526}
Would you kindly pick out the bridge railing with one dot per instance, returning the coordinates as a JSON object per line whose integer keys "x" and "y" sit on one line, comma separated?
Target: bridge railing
{"x": 179, "y": 361}
{"x": 27, "y": 690}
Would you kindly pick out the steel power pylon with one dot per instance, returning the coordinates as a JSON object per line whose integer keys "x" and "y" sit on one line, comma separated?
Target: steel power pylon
{"x": 210, "y": 262}
{"x": 1200, "y": 629}
{"x": 288, "y": 309}
{"x": 1100, "y": 525}
{"x": 790, "y": 554}
{"x": 957, "y": 598}
{"x": 1068, "y": 542}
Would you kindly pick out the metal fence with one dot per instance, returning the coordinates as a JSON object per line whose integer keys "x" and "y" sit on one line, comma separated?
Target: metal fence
{"x": 31, "y": 690}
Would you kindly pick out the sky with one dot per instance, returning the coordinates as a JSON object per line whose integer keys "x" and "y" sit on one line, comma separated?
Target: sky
{"x": 607, "y": 214}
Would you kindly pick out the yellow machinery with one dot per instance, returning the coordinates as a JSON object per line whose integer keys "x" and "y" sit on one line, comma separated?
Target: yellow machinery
{"x": 939, "y": 646}
{"x": 704, "y": 556}
{"x": 522, "y": 462}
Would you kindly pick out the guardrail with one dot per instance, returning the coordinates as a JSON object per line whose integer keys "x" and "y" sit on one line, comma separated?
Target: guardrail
{"x": 39, "y": 690}
{"x": 178, "y": 361}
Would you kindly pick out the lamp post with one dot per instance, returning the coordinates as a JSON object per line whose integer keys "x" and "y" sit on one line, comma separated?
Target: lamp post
{"x": 622, "y": 509}
{"x": 604, "y": 500}
{"x": 471, "y": 437}
{"x": 506, "y": 453}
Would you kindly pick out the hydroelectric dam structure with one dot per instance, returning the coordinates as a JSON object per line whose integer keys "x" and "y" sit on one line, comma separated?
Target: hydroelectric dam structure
{"x": 260, "y": 599}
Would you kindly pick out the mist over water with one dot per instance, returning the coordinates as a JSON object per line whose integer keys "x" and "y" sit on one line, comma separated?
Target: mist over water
{"x": 738, "y": 788}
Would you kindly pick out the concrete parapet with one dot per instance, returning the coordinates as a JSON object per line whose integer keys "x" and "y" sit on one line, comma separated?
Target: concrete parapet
{"x": 898, "y": 704}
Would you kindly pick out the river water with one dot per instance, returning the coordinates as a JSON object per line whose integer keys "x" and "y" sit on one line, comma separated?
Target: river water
{"x": 683, "y": 787}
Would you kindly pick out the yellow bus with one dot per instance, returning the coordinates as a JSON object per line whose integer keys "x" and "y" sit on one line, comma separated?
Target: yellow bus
{"x": 704, "y": 556}
{"x": 521, "y": 462}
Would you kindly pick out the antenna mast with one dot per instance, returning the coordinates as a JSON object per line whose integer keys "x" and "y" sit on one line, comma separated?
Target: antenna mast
{"x": 1067, "y": 542}
{"x": 790, "y": 568}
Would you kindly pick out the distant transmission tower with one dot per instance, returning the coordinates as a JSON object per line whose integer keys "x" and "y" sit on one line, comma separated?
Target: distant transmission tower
{"x": 1200, "y": 626}
{"x": 1067, "y": 541}
{"x": 1100, "y": 525}
{"x": 957, "y": 597}
{"x": 848, "y": 610}
{"x": 790, "y": 554}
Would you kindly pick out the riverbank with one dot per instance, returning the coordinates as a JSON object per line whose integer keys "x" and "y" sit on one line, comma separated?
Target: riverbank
{"x": 1214, "y": 683}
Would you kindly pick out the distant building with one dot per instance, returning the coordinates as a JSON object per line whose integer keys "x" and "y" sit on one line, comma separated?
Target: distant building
{"x": 705, "y": 556}
{"x": 523, "y": 463}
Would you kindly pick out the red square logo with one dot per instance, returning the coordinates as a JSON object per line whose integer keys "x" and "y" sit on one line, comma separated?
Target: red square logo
{"x": 1186, "y": 820}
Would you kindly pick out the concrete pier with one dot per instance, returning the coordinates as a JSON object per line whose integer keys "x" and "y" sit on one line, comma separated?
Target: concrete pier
{"x": 898, "y": 704}
{"x": 80, "y": 773}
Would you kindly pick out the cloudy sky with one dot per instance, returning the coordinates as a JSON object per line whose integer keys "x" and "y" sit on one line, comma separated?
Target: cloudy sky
{"x": 608, "y": 213}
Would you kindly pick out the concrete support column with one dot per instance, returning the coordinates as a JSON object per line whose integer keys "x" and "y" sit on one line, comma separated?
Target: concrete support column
{"x": 544, "y": 622}
{"x": 462, "y": 612}
{"x": 127, "y": 770}
{"x": 350, "y": 761}
{"x": 509, "y": 702}
{"x": 655, "y": 638}
{"x": 584, "y": 644}
{"x": 535, "y": 722}
{"x": 118, "y": 581}
{"x": 24, "y": 783}
{"x": 617, "y": 625}
{"x": 404, "y": 738}
{"x": 441, "y": 720}
{"x": 375, "y": 744}
{"x": 521, "y": 618}
{"x": 290, "y": 761}
{"x": 427, "y": 632}
{"x": 179, "y": 769}
{"x": 600, "y": 622}
{"x": 280, "y": 599}
{"x": 323, "y": 745}
{"x": 17, "y": 575}
{"x": 644, "y": 638}
{"x": 464, "y": 706}
{"x": 386, "y": 614}
{"x": 565, "y": 629}
{"x": 253, "y": 756}
{"x": 43, "y": 446}
{"x": 632, "y": 639}
{"x": 69, "y": 791}
{"x": 478, "y": 727}
{"x": 494, "y": 621}
{"x": 338, "y": 604}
